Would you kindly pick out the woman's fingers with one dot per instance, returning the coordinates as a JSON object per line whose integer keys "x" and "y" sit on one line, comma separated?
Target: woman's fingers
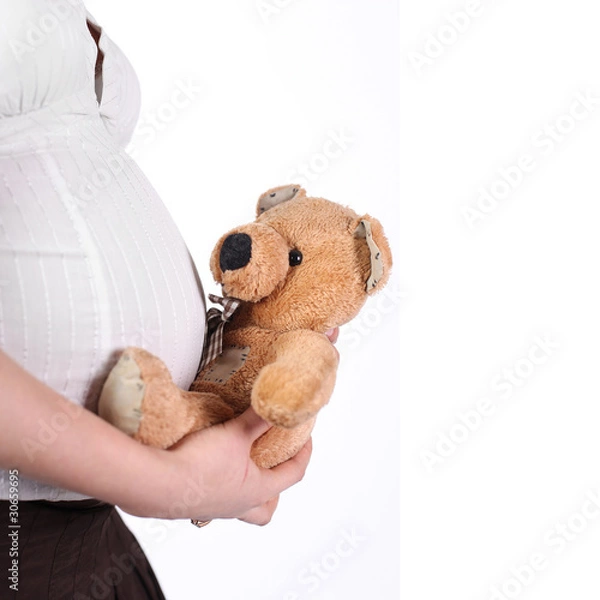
{"x": 252, "y": 426}
{"x": 333, "y": 334}
{"x": 261, "y": 515}
{"x": 267, "y": 484}
{"x": 290, "y": 472}
{"x": 230, "y": 483}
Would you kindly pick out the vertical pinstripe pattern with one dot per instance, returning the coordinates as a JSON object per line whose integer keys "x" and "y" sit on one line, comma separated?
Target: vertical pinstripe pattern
{"x": 76, "y": 551}
{"x": 90, "y": 259}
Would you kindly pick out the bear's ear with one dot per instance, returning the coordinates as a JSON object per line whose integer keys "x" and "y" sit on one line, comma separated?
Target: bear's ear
{"x": 370, "y": 232}
{"x": 278, "y": 195}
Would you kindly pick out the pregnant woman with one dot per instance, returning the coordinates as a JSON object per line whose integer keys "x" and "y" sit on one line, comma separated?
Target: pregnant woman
{"x": 91, "y": 262}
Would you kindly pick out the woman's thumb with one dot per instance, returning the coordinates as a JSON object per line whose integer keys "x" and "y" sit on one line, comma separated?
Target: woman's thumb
{"x": 251, "y": 424}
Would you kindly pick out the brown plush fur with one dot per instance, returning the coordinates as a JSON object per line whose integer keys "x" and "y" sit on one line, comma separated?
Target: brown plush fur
{"x": 276, "y": 356}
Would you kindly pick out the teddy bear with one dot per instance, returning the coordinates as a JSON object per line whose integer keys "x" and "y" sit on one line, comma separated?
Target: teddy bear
{"x": 303, "y": 267}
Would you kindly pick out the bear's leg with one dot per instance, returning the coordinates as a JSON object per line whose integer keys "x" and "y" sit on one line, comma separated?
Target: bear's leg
{"x": 279, "y": 444}
{"x": 140, "y": 398}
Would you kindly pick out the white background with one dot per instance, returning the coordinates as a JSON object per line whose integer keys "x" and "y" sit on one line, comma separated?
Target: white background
{"x": 482, "y": 102}
{"x": 478, "y": 297}
{"x": 266, "y": 91}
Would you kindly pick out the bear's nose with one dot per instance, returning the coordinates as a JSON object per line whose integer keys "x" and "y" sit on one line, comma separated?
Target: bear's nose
{"x": 236, "y": 252}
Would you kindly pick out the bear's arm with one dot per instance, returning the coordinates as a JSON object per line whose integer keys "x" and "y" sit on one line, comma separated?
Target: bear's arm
{"x": 299, "y": 381}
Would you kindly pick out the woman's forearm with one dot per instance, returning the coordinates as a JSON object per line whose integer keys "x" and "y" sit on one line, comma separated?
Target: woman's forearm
{"x": 209, "y": 474}
{"x": 47, "y": 437}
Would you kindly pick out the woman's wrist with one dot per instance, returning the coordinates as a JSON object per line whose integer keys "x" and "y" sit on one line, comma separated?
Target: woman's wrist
{"x": 147, "y": 488}
{"x": 165, "y": 487}
{"x": 85, "y": 454}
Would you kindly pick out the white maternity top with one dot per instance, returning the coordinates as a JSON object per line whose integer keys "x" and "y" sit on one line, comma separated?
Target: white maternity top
{"x": 90, "y": 259}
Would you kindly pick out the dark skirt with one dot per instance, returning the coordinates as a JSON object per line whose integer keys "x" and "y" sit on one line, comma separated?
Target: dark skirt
{"x": 72, "y": 550}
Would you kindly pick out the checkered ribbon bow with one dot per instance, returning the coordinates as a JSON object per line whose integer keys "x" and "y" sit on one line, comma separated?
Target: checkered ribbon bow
{"x": 215, "y": 323}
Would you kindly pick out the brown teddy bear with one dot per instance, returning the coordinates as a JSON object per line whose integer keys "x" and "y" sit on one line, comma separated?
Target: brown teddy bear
{"x": 303, "y": 267}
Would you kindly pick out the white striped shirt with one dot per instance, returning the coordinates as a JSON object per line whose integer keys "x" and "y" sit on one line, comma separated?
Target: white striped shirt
{"x": 90, "y": 259}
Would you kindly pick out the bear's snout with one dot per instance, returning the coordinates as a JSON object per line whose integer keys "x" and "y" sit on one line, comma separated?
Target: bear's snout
{"x": 250, "y": 262}
{"x": 236, "y": 252}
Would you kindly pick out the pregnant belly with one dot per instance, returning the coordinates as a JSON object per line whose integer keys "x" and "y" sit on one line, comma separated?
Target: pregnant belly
{"x": 91, "y": 262}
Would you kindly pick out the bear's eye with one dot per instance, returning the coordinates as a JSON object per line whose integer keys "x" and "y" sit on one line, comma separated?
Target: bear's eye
{"x": 295, "y": 258}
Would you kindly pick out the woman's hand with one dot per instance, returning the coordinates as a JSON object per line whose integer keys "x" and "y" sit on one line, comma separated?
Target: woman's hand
{"x": 210, "y": 474}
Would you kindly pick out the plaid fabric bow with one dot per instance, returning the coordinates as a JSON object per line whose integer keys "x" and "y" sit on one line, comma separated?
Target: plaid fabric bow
{"x": 215, "y": 323}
